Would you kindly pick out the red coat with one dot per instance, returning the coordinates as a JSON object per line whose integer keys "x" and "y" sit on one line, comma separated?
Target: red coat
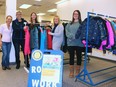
{"x": 49, "y": 40}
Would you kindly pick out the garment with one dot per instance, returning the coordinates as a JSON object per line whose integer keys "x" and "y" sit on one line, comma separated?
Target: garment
{"x": 49, "y": 39}
{"x": 78, "y": 50}
{"x": 6, "y": 43}
{"x": 57, "y": 37}
{"x": 18, "y": 29}
{"x": 27, "y": 41}
{"x": 43, "y": 40}
{"x": 34, "y": 38}
{"x": 96, "y": 32}
{"x": 6, "y": 47}
{"x": 17, "y": 45}
{"x": 18, "y": 38}
{"x": 114, "y": 25}
{"x": 6, "y": 33}
{"x": 111, "y": 34}
{"x": 114, "y": 28}
{"x": 71, "y": 30}
{"x": 64, "y": 46}
{"x": 53, "y": 30}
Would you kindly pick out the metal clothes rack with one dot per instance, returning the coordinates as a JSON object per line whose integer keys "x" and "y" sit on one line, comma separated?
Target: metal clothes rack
{"x": 84, "y": 75}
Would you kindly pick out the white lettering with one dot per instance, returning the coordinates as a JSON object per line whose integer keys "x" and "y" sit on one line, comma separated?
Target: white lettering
{"x": 36, "y": 69}
{"x": 35, "y": 83}
{"x": 48, "y": 84}
{"x": 39, "y": 69}
{"x": 33, "y": 69}
{"x": 42, "y": 84}
{"x": 54, "y": 84}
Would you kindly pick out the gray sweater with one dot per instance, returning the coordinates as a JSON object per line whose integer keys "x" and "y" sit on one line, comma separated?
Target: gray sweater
{"x": 71, "y": 30}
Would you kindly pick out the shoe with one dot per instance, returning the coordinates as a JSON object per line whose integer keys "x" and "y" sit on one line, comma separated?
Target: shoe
{"x": 8, "y": 68}
{"x": 3, "y": 68}
{"x": 77, "y": 70}
{"x": 18, "y": 66}
{"x": 71, "y": 75}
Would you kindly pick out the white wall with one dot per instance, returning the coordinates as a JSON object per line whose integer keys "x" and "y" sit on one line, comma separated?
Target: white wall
{"x": 66, "y": 9}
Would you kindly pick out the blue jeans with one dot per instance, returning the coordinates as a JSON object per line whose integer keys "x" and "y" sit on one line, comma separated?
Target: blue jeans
{"x": 6, "y": 47}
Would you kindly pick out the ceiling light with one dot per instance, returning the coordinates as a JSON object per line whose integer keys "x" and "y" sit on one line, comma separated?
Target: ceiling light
{"x": 61, "y": 1}
{"x": 40, "y": 14}
{"x": 25, "y": 6}
{"x": 38, "y": 0}
{"x": 52, "y": 10}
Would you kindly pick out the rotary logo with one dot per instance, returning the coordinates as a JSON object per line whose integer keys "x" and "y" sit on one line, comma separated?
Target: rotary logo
{"x": 37, "y": 55}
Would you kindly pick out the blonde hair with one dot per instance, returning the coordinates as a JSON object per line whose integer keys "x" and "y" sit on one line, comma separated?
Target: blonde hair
{"x": 18, "y": 12}
{"x": 58, "y": 19}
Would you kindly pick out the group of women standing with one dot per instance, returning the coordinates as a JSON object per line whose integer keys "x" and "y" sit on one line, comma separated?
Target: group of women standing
{"x": 17, "y": 34}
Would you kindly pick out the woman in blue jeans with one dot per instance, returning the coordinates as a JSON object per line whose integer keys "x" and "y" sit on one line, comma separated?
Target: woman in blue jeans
{"x": 5, "y": 41}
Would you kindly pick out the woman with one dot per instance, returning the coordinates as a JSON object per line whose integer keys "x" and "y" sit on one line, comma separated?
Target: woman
{"x": 74, "y": 44}
{"x": 34, "y": 34}
{"x": 57, "y": 33}
{"x": 5, "y": 41}
{"x": 33, "y": 28}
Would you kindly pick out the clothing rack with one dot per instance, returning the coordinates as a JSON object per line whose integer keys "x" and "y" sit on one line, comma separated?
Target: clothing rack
{"x": 84, "y": 75}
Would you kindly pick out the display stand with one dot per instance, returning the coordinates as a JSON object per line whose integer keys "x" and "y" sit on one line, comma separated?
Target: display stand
{"x": 84, "y": 75}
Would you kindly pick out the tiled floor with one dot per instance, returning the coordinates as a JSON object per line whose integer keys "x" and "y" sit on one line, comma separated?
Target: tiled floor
{"x": 18, "y": 78}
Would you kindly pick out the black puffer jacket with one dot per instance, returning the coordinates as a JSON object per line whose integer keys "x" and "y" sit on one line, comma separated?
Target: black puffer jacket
{"x": 96, "y": 33}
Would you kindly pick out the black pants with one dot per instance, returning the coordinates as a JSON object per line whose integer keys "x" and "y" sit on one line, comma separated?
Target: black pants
{"x": 75, "y": 50}
{"x": 17, "y": 44}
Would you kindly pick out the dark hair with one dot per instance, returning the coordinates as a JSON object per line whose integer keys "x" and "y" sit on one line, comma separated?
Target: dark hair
{"x": 79, "y": 17}
{"x": 36, "y": 19}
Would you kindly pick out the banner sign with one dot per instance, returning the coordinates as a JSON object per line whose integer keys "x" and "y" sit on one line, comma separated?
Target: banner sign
{"x": 46, "y": 69}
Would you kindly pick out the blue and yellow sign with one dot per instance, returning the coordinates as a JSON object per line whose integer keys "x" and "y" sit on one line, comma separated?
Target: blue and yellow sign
{"x": 46, "y": 69}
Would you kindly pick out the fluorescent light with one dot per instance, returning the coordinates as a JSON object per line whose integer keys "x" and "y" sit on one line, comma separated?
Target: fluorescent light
{"x": 38, "y": 0}
{"x": 61, "y": 1}
{"x": 25, "y": 6}
{"x": 40, "y": 14}
{"x": 52, "y": 10}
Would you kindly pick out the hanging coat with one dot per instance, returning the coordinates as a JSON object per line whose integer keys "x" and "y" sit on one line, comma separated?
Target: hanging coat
{"x": 27, "y": 41}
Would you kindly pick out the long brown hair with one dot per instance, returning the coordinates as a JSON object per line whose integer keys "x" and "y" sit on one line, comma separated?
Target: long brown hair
{"x": 31, "y": 20}
{"x": 79, "y": 17}
{"x": 36, "y": 19}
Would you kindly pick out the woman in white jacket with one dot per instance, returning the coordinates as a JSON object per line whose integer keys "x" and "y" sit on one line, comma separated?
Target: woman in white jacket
{"x": 57, "y": 33}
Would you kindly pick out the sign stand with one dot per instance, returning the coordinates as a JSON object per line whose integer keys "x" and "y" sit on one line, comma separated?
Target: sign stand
{"x": 46, "y": 69}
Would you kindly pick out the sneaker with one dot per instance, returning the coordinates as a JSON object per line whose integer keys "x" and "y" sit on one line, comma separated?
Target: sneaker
{"x": 3, "y": 68}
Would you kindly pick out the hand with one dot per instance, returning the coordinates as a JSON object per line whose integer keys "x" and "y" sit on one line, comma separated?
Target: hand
{"x": 50, "y": 33}
{"x": 0, "y": 43}
{"x": 25, "y": 28}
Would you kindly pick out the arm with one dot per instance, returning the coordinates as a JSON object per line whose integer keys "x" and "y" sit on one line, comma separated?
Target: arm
{"x": 68, "y": 33}
{"x": 60, "y": 31}
{"x": 1, "y": 29}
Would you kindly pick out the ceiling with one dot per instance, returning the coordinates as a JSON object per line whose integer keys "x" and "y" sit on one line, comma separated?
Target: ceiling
{"x": 37, "y": 6}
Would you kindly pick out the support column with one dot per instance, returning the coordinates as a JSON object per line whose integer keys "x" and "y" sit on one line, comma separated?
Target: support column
{"x": 11, "y": 10}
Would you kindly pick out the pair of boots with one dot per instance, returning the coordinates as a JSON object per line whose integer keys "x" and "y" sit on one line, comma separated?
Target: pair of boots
{"x": 71, "y": 75}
